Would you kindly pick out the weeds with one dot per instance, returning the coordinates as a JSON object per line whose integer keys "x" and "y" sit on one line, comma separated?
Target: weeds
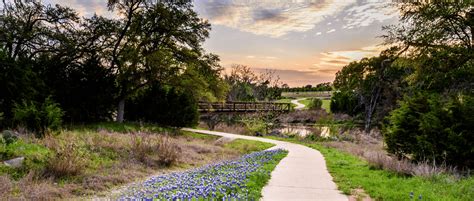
{"x": 68, "y": 160}
{"x": 157, "y": 150}
{"x": 168, "y": 151}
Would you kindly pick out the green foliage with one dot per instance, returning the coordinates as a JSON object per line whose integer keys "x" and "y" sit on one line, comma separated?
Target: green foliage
{"x": 345, "y": 102}
{"x": 8, "y": 137}
{"x": 167, "y": 107}
{"x": 85, "y": 90}
{"x": 87, "y": 71}
{"x": 38, "y": 118}
{"x": 434, "y": 128}
{"x": 315, "y": 104}
{"x": 36, "y": 156}
{"x": 254, "y": 124}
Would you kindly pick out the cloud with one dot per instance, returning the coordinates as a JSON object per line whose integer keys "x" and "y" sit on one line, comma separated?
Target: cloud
{"x": 333, "y": 61}
{"x": 269, "y": 17}
{"x": 330, "y": 31}
{"x": 261, "y": 57}
{"x": 369, "y": 12}
{"x": 85, "y": 8}
{"x": 319, "y": 33}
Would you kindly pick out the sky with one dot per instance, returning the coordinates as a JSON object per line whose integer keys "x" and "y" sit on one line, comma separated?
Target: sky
{"x": 304, "y": 41}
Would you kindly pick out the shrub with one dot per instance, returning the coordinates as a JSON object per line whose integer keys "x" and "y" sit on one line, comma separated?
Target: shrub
{"x": 167, "y": 107}
{"x": 345, "y": 102}
{"x": 67, "y": 160}
{"x": 38, "y": 118}
{"x": 434, "y": 128}
{"x": 3, "y": 147}
{"x": 254, "y": 125}
{"x": 161, "y": 151}
{"x": 315, "y": 104}
{"x": 141, "y": 146}
{"x": 168, "y": 152}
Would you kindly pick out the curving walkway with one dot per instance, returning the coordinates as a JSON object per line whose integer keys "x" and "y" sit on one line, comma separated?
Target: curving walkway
{"x": 302, "y": 175}
{"x": 299, "y": 106}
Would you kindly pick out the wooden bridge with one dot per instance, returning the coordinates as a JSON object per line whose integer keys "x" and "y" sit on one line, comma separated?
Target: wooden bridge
{"x": 245, "y": 107}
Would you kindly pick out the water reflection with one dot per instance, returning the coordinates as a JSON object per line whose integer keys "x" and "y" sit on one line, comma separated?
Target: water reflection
{"x": 304, "y": 130}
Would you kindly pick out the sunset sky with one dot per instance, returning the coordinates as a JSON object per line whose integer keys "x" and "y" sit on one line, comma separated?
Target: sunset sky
{"x": 305, "y": 41}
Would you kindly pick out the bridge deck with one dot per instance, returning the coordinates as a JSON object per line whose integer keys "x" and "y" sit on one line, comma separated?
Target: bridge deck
{"x": 243, "y": 107}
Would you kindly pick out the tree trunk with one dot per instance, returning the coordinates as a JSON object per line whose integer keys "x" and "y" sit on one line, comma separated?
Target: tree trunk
{"x": 121, "y": 110}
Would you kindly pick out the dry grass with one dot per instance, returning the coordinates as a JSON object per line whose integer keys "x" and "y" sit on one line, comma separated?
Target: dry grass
{"x": 67, "y": 160}
{"x": 224, "y": 127}
{"x": 89, "y": 162}
{"x": 370, "y": 147}
{"x": 303, "y": 116}
{"x": 30, "y": 187}
{"x": 5, "y": 186}
{"x": 168, "y": 151}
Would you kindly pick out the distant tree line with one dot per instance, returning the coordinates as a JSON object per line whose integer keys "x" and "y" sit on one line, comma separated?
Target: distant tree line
{"x": 420, "y": 92}
{"x": 55, "y": 64}
{"x": 327, "y": 86}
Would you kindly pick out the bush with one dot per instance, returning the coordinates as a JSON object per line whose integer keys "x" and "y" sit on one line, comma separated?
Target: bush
{"x": 167, "y": 107}
{"x": 434, "y": 128}
{"x": 68, "y": 160}
{"x": 168, "y": 152}
{"x": 161, "y": 151}
{"x": 315, "y": 104}
{"x": 254, "y": 125}
{"x": 345, "y": 102}
{"x": 38, "y": 118}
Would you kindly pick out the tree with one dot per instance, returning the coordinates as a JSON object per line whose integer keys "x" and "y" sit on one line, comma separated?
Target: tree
{"x": 246, "y": 85}
{"x": 439, "y": 38}
{"x": 433, "y": 122}
{"x": 154, "y": 42}
{"x": 27, "y": 30}
{"x": 427, "y": 127}
{"x": 165, "y": 106}
{"x": 377, "y": 84}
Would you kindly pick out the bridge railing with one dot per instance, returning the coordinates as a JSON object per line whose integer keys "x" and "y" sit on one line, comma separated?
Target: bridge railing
{"x": 239, "y": 106}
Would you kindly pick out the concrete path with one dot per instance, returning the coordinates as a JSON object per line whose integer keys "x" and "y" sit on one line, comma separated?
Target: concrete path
{"x": 298, "y": 106}
{"x": 302, "y": 175}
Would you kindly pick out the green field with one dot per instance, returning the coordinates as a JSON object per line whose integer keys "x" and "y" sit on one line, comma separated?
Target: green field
{"x": 326, "y": 104}
{"x": 286, "y": 100}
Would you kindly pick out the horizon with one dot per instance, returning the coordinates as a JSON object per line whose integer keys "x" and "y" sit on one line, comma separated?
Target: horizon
{"x": 304, "y": 42}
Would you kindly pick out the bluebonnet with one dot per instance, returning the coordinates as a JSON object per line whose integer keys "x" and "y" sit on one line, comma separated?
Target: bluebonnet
{"x": 220, "y": 181}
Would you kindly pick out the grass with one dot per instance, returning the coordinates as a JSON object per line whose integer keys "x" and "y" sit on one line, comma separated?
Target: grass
{"x": 86, "y": 160}
{"x": 326, "y": 104}
{"x": 286, "y": 100}
{"x": 247, "y": 146}
{"x": 352, "y": 173}
{"x": 305, "y": 102}
{"x": 258, "y": 180}
{"x": 120, "y": 127}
